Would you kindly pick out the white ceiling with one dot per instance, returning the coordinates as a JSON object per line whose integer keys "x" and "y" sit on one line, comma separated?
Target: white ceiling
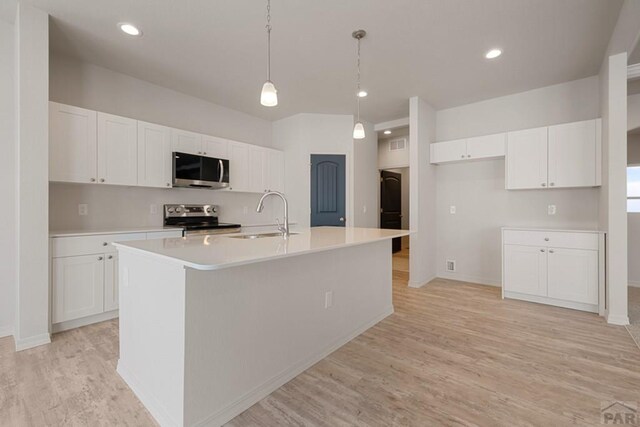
{"x": 215, "y": 49}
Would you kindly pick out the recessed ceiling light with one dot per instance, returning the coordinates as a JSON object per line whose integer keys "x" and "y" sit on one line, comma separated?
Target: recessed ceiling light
{"x": 387, "y": 132}
{"x": 362, "y": 93}
{"x": 493, "y": 53}
{"x": 130, "y": 29}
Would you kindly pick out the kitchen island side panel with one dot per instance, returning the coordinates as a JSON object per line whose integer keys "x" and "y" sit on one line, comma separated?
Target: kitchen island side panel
{"x": 252, "y": 328}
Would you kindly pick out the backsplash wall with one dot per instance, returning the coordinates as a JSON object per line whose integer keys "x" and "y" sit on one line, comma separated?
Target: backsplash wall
{"x": 119, "y": 206}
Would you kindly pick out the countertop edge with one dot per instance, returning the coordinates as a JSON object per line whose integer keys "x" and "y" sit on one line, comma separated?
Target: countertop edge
{"x": 552, "y": 230}
{"x": 213, "y": 267}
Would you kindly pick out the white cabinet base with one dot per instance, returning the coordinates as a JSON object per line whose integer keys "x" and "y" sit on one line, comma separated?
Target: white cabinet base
{"x": 84, "y": 321}
{"x": 552, "y": 301}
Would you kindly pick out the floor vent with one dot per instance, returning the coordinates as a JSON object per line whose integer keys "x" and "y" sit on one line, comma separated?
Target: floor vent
{"x": 451, "y": 265}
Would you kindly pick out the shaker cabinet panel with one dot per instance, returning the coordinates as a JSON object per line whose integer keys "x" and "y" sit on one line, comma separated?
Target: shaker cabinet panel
{"x": 78, "y": 284}
{"x": 72, "y": 144}
{"x": 526, "y": 164}
{"x": 117, "y": 150}
{"x": 154, "y": 155}
{"x": 525, "y": 270}
{"x": 573, "y": 275}
{"x": 572, "y": 154}
{"x": 449, "y": 151}
{"x": 183, "y": 141}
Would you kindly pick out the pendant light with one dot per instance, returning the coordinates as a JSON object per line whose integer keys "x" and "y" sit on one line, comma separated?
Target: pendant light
{"x": 358, "y": 129}
{"x": 269, "y": 95}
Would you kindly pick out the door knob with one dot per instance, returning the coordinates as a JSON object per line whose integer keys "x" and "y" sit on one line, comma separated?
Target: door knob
{"x": 341, "y": 219}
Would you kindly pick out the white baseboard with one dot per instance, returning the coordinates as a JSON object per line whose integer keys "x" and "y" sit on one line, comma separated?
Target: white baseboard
{"x": 419, "y": 284}
{"x": 634, "y": 284}
{"x": 30, "y": 342}
{"x": 617, "y": 319}
{"x": 76, "y": 323}
{"x": 149, "y": 401}
{"x": 245, "y": 402}
{"x": 6, "y": 331}
{"x": 470, "y": 279}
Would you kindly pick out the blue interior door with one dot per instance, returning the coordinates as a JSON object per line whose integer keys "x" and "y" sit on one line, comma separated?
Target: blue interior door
{"x": 328, "y": 190}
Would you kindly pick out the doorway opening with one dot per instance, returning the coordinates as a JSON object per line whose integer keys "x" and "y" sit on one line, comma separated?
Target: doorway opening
{"x": 633, "y": 231}
{"x": 328, "y": 190}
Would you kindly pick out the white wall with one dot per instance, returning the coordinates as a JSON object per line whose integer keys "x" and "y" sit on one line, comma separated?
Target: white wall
{"x": 562, "y": 103}
{"x": 422, "y": 207}
{"x": 300, "y": 136}
{"x": 477, "y": 189}
{"x": 89, "y": 86}
{"x": 393, "y": 159}
{"x": 32, "y": 163}
{"x": 633, "y": 219}
{"x": 365, "y": 191}
{"x": 7, "y": 181}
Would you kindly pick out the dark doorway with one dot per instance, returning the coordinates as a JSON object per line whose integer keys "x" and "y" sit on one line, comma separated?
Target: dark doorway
{"x": 328, "y": 181}
{"x": 391, "y": 204}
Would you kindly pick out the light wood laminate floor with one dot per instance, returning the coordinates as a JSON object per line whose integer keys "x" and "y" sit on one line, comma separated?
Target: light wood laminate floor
{"x": 452, "y": 354}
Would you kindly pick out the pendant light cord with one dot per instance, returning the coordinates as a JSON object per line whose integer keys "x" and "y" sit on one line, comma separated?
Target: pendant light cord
{"x": 268, "y": 27}
{"x": 358, "y": 82}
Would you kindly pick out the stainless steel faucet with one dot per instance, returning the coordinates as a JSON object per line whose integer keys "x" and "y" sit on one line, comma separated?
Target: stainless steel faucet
{"x": 284, "y": 228}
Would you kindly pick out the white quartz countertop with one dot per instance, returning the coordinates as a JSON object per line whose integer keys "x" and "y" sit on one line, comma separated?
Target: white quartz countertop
{"x": 213, "y": 252}
{"x": 115, "y": 230}
{"x": 547, "y": 230}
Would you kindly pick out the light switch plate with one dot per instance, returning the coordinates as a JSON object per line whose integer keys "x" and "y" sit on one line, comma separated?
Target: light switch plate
{"x": 83, "y": 209}
{"x": 452, "y": 210}
{"x": 551, "y": 209}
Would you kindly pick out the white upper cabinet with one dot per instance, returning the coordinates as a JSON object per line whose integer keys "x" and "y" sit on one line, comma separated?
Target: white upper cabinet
{"x": 257, "y": 169}
{"x": 72, "y": 144}
{"x": 239, "y": 167}
{"x": 486, "y": 147}
{"x": 573, "y": 154}
{"x": 183, "y": 141}
{"x": 154, "y": 155}
{"x": 117, "y": 150}
{"x": 275, "y": 170}
{"x": 449, "y": 151}
{"x": 527, "y": 159}
{"x": 213, "y": 146}
{"x": 560, "y": 156}
{"x": 479, "y": 147}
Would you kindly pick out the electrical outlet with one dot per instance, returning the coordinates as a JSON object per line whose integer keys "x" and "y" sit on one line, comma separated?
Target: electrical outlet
{"x": 328, "y": 299}
{"x": 83, "y": 209}
{"x": 551, "y": 209}
{"x": 452, "y": 210}
{"x": 451, "y": 265}
{"x": 153, "y": 209}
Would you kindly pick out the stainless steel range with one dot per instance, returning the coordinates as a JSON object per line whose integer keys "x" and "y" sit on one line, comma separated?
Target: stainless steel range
{"x": 197, "y": 219}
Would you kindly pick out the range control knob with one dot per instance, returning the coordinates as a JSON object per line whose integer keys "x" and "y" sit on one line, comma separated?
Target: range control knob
{"x": 209, "y": 210}
{"x": 170, "y": 210}
{"x": 178, "y": 209}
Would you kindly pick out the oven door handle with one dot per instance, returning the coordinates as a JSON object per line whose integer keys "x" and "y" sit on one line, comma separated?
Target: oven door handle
{"x": 221, "y": 169}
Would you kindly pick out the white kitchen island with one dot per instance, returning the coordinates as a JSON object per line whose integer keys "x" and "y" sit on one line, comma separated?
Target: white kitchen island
{"x": 209, "y": 325}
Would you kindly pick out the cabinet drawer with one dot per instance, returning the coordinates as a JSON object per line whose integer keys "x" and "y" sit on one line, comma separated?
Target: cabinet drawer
{"x": 83, "y": 245}
{"x": 555, "y": 239}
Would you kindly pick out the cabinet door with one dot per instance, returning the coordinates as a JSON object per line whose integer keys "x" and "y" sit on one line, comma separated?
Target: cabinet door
{"x": 154, "y": 155}
{"x": 111, "y": 282}
{"x": 527, "y": 159}
{"x": 184, "y": 141}
{"x": 525, "y": 270}
{"x": 275, "y": 170}
{"x": 117, "y": 150}
{"x": 449, "y": 151}
{"x": 485, "y": 147}
{"x": 238, "y": 167}
{"x": 257, "y": 170}
{"x": 215, "y": 147}
{"x": 72, "y": 144}
{"x": 572, "y": 154}
{"x": 573, "y": 275}
{"x": 78, "y": 287}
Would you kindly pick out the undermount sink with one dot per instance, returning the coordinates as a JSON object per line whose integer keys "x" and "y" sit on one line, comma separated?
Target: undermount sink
{"x": 259, "y": 236}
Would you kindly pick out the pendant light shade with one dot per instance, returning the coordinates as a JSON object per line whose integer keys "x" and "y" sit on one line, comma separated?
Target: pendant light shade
{"x": 358, "y": 131}
{"x": 269, "y": 95}
{"x": 358, "y": 128}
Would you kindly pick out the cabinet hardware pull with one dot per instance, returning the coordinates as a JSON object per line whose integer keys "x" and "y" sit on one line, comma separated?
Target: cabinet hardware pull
{"x": 92, "y": 180}
{"x": 469, "y": 155}
{"x": 544, "y": 185}
{"x": 552, "y": 184}
{"x": 104, "y": 243}
{"x": 551, "y": 251}
{"x": 99, "y": 258}
{"x": 204, "y": 153}
{"x": 541, "y": 250}
{"x": 110, "y": 257}
{"x": 462, "y": 157}
{"x": 101, "y": 179}
{"x": 546, "y": 239}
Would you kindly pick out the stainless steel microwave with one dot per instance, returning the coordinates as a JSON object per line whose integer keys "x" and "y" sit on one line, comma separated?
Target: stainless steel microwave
{"x": 193, "y": 171}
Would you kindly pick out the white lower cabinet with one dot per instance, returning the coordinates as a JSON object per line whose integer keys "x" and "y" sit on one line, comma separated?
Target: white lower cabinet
{"x": 78, "y": 287}
{"x": 84, "y": 276}
{"x": 561, "y": 268}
